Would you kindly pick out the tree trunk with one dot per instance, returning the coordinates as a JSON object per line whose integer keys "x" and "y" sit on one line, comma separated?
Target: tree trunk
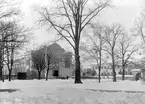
{"x": 11, "y": 66}
{"x": 114, "y": 75}
{"x": 48, "y": 64}
{"x": 1, "y": 72}
{"x": 99, "y": 74}
{"x": 10, "y": 72}
{"x": 1, "y": 67}
{"x": 123, "y": 73}
{"x": 77, "y": 64}
{"x": 47, "y": 73}
{"x": 100, "y": 59}
{"x": 113, "y": 68}
{"x": 39, "y": 75}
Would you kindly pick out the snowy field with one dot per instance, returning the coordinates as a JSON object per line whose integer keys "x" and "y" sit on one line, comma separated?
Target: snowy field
{"x": 66, "y": 92}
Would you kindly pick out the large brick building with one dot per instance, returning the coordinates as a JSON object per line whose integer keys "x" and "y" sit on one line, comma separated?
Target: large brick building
{"x": 63, "y": 67}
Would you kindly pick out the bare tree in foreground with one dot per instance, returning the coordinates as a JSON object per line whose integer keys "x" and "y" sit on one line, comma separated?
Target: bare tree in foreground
{"x": 97, "y": 40}
{"x": 111, "y": 37}
{"x": 6, "y": 13}
{"x": 69, "y": 18}
{"x": 15, "y": 39}
{"x": 126, "y": 48}
{"x": 3, "y": 27}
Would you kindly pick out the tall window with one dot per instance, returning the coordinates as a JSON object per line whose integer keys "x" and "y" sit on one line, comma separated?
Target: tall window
{"x": 67, "y": 62}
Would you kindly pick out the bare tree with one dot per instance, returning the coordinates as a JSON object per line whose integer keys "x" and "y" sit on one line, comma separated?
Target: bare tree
{"x": 48, "y": 56}
{"x": 139, "y": 27}
{"x": 38, "y": 59}
{"x": 5, "y": 33}
{"x": 15, "y": 39}
{"x": 69, "y": 18}
{"x": 111, "y": 37}
{"x": 7, "y": 12}
{"x": 97, "y": 40}
{"x": 52, "y": 58}
{"x": 3, "y": 27}
{"x": 126, "y": 48}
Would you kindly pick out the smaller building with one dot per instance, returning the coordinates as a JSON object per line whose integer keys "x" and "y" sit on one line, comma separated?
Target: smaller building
{"x": 136, "y": 74}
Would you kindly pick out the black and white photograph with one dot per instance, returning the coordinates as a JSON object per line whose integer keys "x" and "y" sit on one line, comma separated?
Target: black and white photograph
{"x": 72, "y": 51}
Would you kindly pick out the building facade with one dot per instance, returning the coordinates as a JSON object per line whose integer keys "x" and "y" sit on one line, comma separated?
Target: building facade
{"x": 63, "y": 67}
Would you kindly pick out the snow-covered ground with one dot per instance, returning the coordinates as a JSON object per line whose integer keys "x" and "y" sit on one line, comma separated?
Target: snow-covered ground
{"x": 66, "y": 92}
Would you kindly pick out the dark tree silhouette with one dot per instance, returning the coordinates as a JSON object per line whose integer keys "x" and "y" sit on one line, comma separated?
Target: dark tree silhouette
{"x": 69, "y": 18}
{"x": 38, "y": 59}
{"x": 15, "y": 37}
{"x": 5, "y": 14}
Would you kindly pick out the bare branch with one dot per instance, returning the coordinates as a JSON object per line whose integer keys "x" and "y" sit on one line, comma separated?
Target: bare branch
{"x": 92, "y": 14}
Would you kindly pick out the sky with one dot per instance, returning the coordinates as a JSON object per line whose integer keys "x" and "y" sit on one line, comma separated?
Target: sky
{"x": 123, "y": 12}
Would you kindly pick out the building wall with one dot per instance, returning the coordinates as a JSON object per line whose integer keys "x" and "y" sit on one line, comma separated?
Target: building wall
{"x": 64, "y": 72}
{"x": 25, "y": 64}
{"x": 64, "y": 64}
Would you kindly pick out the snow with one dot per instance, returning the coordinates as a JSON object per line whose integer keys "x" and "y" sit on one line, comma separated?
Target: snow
{"x": 66, "y": 92}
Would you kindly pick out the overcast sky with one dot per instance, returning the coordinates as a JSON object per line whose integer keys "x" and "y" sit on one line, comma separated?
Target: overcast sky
{"x": 124, "y": 12}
